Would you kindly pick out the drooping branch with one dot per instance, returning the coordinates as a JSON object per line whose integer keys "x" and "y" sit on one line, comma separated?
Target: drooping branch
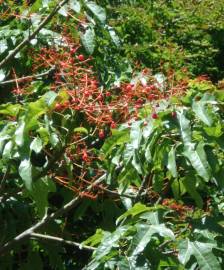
{"x": 32, "y": 35}
{"x": 46, "y": 219}
{"x": 26, "y": 234}
{"x": 60, "y": 240}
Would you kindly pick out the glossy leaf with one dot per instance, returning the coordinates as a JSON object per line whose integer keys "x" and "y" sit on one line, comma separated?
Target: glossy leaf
{"x": 136, "y": 134}
{"x": 113, "y": 35}
{"x": 36, "y": 145}
{"x": 119, "y": 137}
{"x": 19, "y": 133}
{"x": 75, "y": 5}
{"x": 200, "y": 110}
{"x": 185, "y": 128}
{"x": 97, "y": 10}
{"x": 88, "y": 40}
{"x": 25, "y": 172}
{"x": 199, "y": 161}
{"x": 137, "y": 209}
{"x": 144, "y": 234}
{"x": 201, "y": 251}
{"x": 172, "y": 167}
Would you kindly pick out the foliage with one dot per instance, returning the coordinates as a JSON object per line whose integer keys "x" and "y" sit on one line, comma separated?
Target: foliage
{"x": 111, "y": 145}
{"x": 171, "y": 34}
{"x": 143, "y": 231}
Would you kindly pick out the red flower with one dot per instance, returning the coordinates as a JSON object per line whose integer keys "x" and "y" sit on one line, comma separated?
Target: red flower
{"x": 81, "y": 57}
{"x": 154, "y": 116}
{"x": 113, "y": 125}
{"x": 101, "y": 134}
{"x": 84, "y": 156}
{"x": 129, "y": 87}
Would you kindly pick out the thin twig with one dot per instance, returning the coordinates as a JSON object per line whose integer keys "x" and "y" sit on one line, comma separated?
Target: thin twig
{"x": 25, "y": 78}
{"x": 116, "y": 193}
{"x": 60, "y": 240}
{"x": 32, "y": 35}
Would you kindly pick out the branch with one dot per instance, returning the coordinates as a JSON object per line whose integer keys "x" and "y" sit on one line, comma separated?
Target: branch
{"x": 35, "y": 32}
{"x": 60, "y": 240}
{"x": 116, "y": 193}
{"x": 29, "y": 77}
{"x": 27, "y": 233}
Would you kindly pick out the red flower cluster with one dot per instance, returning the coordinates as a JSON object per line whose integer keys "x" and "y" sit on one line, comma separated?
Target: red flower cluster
{"x": 102, "y": 108}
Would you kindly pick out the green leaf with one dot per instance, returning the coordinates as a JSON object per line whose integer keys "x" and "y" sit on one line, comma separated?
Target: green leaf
{"x": 113, "y": 35}
{"x": 178, "y": 188}
{"x": 50, "y": 97}
{"x": 127, "y": 177}
{"x": 136, "y": 162}
{"x": 95, "y": 239}
{"x": 54, "y": 139}
{"x": 128, "y": 153}
{"x": 137, "y": 209}
{"x": 172, "y": 167}
{"x": 199, "y": 107}
{"x": 7, "y": 153}
{"x": 10, "y": 109}
{"x": 36, "y": 145}
{"x": 88, "y": 40}
{"x": 201, "y": 251}
{"x": 25, "y": 172}
{"x": 63, "y": 11}
{"x": 214, "y": 131}
{"x": 33, "y": 111}
{"x": 3, "y": 47}
{"x": 98, "y": 11}
{"x": 185, "y": 128}
{"x": 148, "y": 129}
{"x": 2, "y": 75}
{"x": 199, "y": 161}
{"x": 75, "y": 5}
{"x": 81, "y": 130}
{"x": 19, "y": 134}
{"x": 153, "y": 217}
{"x": 44, "y": 135}
{"x": 39, "y": 193}
{"x": 136, "y": 134}
{"x": 144, "y": 234}
{"x": 109, "y": 241}
{"x": 190, "y": 185}
{"x": 118, "y": 137}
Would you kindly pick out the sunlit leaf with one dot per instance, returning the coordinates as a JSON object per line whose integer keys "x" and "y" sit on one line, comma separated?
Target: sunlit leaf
{"x": 25, "y": 171}
{"x": 172, "y": 167}
{"x": 88, "y": 40}
{"x": 36, "y": 145}
{"x": 201, "y": 251}
{"x": 98, "y": 11}
{"x": 199, "y": 161}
